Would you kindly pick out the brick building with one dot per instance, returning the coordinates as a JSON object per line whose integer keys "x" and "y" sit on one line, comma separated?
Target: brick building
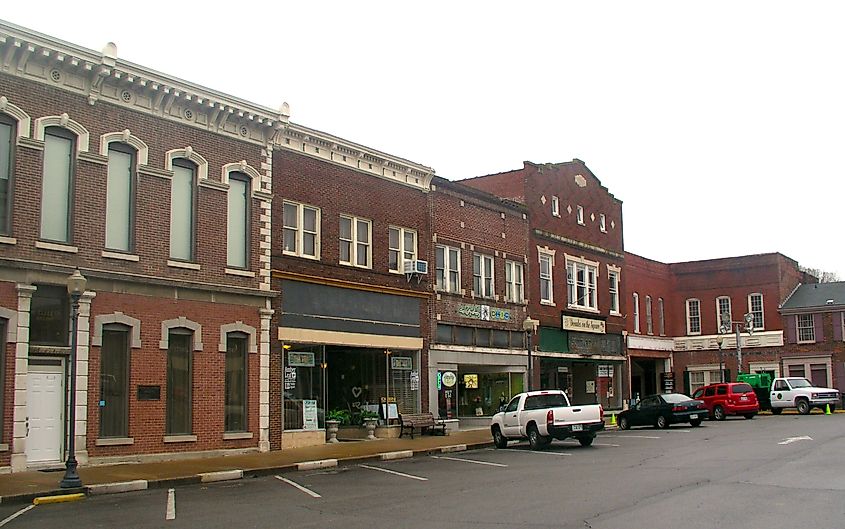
{"x": 159, "y": 192}
{"x": 478, "y": 356}
{"x": 576, "y": 255}
{"x": 814, "y": 323}
{"x": 352, "y": 326}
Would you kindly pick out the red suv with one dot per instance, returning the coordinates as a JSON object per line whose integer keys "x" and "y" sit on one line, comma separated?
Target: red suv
{"x": 729, "y": 398}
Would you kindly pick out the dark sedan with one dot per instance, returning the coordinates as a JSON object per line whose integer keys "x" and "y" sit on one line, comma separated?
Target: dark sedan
{"x": 662, "y": 410}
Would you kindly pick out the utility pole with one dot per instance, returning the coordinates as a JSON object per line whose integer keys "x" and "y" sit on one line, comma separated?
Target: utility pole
{"x": 725, "y": 327}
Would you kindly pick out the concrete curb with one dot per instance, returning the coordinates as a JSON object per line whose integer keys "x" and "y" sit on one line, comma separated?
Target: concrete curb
{"x": 313, "y": 465}
{"x": 114, "y": 488}
{"x": 223, "y": 475}
{"x": 62, "y": 498}
{"x": 401, "y": 454}
{"x": 453, "y": 448}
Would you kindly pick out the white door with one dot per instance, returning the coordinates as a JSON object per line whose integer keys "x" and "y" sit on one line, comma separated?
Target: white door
{"x": 45, "y": 409}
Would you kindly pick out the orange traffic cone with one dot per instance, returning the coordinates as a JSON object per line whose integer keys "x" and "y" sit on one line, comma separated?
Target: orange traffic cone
{"x": 827, "y": 409}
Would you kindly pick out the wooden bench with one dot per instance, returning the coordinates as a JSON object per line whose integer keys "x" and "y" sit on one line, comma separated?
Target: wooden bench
{"x": 421, "y": 422}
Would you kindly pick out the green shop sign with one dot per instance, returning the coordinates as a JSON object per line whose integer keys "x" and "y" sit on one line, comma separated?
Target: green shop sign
{"x": 484, "y": 312}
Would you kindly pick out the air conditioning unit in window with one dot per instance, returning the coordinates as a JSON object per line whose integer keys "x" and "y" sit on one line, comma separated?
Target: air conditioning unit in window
{"x": 417, "y": 266}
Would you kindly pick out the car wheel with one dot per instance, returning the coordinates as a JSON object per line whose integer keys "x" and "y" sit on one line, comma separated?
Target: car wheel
{"x": 750, "y": 415}
{"x": 719, "y": 413}
{"x": 623, "y": 423}
{"x": 662, "y": 422}
{"x": 535, "y": 440}
{"x": 695, "y": 423}
{"x": 776, "y": 411}
{"x": 498, "y": 439}
{"x": 586, "y": 440}
{"x": 803, "y": 407}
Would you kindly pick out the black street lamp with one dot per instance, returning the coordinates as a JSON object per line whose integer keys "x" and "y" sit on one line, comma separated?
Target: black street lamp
{"x": 530, "y": 327}
{"x": 725, "y": 328}
{"x": 75, "y": 287}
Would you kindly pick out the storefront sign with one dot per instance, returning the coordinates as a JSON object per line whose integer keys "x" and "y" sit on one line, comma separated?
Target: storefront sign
{"x": 605, "y": 344}
{"x": 574, "y": 323}
{"x": 605, "y": 370}
{"x": 563, "y": 369}
{"x": 415, "y": 380}
{"x": 471, "y": 381}
{"x": 309, "y": 414}
{"x": 484, "y": 312}
{"x": 290, "y": 378}
{"x": 668, "y": 382}
{"x": 449, "y": 379}
{"x": 305, "y": 359}
{"x": 404, "y": 363}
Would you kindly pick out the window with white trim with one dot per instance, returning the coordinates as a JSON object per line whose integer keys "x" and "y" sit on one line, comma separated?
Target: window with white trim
{"x": 580, "y": 215}
{"x": 448, "y": 269}
{"x": 482, "y": 275}
{"x": 120, "y": 191}
{"x": 755, "y": 307}
{"x": 182, "y": 209}
{"x": 806, "y": 328}
{"x": 555, "y": 206}
{"x": 355, "y": 241}
{"x": 723, "y": 305}
{"x": 402, "y": 247}
{"x": 613, "y": 281}
{"x": 57, "y": 184}
{"x": 546, "y": 265}
{"x": 602, "y": 223}
{"x": 301, "y": 230}
{"x": 649, "y": 325}
{"x": 702, "y": 376}
{"x": 7, "y": 135}
{"x": 636, "y": 313}
{"x": 581, "y": 281}
{"x": 661, "y": 317}
{"x": 693, "y": 316}
{"x": 237, "y": 221}
{"x": 514, "y": 288}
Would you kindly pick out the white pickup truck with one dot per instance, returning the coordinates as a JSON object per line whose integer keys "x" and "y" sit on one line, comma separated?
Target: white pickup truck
{"x": 540, "y": 416}
{"x": 800, "y": 393}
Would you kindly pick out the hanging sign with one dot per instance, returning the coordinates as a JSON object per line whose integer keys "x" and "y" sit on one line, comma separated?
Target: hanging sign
{"x": 449, "y": 379}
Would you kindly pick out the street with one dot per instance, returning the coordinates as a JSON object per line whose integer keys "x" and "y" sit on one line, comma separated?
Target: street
{"x": 770, "y": 472}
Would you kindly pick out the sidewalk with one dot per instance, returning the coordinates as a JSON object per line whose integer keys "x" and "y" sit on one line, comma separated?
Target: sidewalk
{"x": 25, "y": 486}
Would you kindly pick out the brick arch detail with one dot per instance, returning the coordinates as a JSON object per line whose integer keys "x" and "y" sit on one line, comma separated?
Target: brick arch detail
{"x": 238, "y": 326}
{"x": 121, "y": 318}
{"x": 177, "y": 323}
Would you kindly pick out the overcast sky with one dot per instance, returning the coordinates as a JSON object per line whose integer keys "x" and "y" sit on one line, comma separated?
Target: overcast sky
{"x": 718, "y": 124}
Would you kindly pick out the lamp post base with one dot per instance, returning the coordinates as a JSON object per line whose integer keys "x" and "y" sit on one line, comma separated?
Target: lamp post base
{"x": 71, "y": 479}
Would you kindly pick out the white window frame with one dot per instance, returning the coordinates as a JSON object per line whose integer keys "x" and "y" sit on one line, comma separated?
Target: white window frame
{"x": 636, "y": 313}
{"x": 357, "y": 247}
{"x": 661, "y": 316}
{"x": 555, "y": 206}
{"x": 613, "y": 287}
{"x": 590, "y": 300}
{"x": 690, "y": 317}
{"x": 300, "y": 229}
{"x": 483, "y": 276}
{"x": 549, "y": 257}
{"x": 710, "y": 375}
{"x": 402, "y": 253}
{"x": 649, "y": 320}
{"x": 447, "y": 284}
{"x": 719, "y": 301}
{"x": 810, "y": 337}
{"x": 514, "y": 282}
{"x": 579, "y": 215}
{"x": 842, "y": 324}
{"x": 602, "y": 223}
{"x": 761, "y": 312}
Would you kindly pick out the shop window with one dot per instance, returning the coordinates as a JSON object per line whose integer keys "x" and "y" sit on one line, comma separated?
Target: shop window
{"x": 114, "y": 381}
{"x": 796, "y": 371}
{"x": 236, "y": 401}
{"x": 517, "y": 340}
{"x": 179, "y": 380}
{"x": 301, "y": 230}
{"x": 818, "y": 375}
{"x": 482, "y": 337}
{"x": 57, "y": 184}
{"x": 7, "y": 135}
{"x": 120, "y": 190}
{"x": 182, "y": 210}
{"x": 304, "y": 399}
{"x": 237, "y": 221}
{"x": 49, "y": 316}
{"x": 481, "y": 393}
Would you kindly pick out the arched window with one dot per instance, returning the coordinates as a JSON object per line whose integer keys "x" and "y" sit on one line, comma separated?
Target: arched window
{"x": 120, "y": 196}
{"x": 237, "y": 221}
{"x": 8, "y": 133}
{"x": 183, "y": 210}
{"x": 57, "y": 184}
{"x": 636, "y": 313}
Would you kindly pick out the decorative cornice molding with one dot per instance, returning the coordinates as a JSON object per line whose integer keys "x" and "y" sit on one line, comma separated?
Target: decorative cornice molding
{"x": 572, "y": 242}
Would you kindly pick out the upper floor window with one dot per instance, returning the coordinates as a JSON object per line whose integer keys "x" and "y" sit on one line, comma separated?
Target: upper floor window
{"x": 556, "y": 206}
{"x": 580, "y": 215}
{"x": 514, "y": 288}
{"x": 448, "y": 269}
{"x": 7, "y": 136}
{"x": 649, "y": 325}
{"x": 482, "y": 275}
{"x": 755, "y": 307}
{"x": 120, "y": 190}
{"x": 636, "y": 313}
{"x": 237, "y": 229}
{"x": 806, "y": 328}
{"x": 403, "y": 247}
{"x": 546, "y": 291}
{"x": 613, "y": 281}
{"x": 723, "y": 310}
{"x": 581, "y": 279}
{"x": 602, "y": 223}
{"x": 355, "y": 247}
{"x": 57, "y": 184}
{"x": 182, "y": 208}
{"x": 661, "y": 318}
{"x": 301, "y": 226}
{"x": 693, "y": 316}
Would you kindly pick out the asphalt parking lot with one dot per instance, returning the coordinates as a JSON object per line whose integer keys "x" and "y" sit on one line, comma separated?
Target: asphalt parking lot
{"x": 768, "y": 472}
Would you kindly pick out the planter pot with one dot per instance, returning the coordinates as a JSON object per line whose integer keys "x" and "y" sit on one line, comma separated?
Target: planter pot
{"x": 370, "y": 425}
{"x": 331, "y": 429}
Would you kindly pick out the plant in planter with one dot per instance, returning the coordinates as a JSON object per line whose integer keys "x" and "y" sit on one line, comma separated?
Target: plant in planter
{"x": 343, "y": 417}
{"x": 369, "y": 419}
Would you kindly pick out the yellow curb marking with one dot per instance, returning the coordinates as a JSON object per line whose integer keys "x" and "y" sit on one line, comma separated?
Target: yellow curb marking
{"x": 58, "y": 499}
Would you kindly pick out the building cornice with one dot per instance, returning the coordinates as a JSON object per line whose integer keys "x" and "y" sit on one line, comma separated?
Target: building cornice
{"x": 711, "y": 342}
{"x": 578, "y": 244}
{"x": 292, "y": 276}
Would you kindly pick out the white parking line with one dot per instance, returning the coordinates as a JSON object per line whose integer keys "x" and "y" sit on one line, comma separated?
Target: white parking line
{"x": 306, "y": 490}
{"x": 522, "y": 451}
{"x": 633, "y": 436}
{"x": 597, "y": 444}
{"x": 678, "y": 431}
{"x": 12, "y": 517}
{"x": 470, "y": 461}
{"x": 394, "y": 472}
{"x": 171, "y": 505}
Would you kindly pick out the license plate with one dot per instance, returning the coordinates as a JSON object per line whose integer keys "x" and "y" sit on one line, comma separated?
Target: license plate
{"x": 694, "y": 416}
{"x": 743, "y": 398}
{"x": 577, "y": 427}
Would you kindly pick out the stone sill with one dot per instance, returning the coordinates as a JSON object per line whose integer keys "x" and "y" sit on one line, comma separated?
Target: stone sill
{"x": 8, "y": 240}
{"x": 120, "y": 256}
{"x": 115, "y": 441}
{"x": 242, "y": 273}
{"x": 180, "y": 438}
{"x": 56, "y": 247}
{"x": 231, "y": 436}
{"x": 184, "y": 264}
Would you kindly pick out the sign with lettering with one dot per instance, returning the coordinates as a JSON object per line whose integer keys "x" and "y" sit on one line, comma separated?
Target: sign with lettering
{"x": 290, "y": 378}
{"x": 405, "y": 363}
{"x": 296, "y": 359}
{"x": 449, "y": 379}
{"x": 471, "y": 381}
{"x": 603, "y": 344}
{"x": 414, "y": 380}
{"x": 574, "y": 323}
{"x": 309, "y": 414}
{"x": 484, "y": 312}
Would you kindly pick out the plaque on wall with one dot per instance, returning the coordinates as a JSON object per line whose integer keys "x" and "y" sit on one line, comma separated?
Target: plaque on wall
{"x": 149, "y": 392}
